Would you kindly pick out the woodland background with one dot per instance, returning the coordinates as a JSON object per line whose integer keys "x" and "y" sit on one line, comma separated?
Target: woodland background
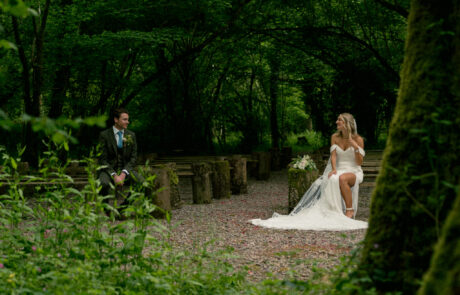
{"x": 205, "y": 76}
{"x": 211, "y": 76}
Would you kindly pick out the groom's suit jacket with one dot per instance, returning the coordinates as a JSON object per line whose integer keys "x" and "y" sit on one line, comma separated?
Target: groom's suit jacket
{"x": 110, "y": 152}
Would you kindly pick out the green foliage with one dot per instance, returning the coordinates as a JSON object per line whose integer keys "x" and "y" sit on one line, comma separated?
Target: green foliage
{"x": 306, "y": 141}
{"x": 60, "y": 241}
{"x": 194, "y": 71}
{"x": 442, "y": 276}
{"x": 17, "y": 8}
{"x": 58, "y": 131}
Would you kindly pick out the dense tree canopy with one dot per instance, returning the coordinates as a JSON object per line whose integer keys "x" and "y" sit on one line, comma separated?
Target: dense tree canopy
{"x": 196, "y": 74}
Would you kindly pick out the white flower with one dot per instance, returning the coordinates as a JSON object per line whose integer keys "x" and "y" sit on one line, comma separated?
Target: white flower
{"x": 304, "y": 163}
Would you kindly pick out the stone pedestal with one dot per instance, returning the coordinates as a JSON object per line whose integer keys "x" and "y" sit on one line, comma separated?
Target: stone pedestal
{"x": 176, "y": 201}
{"x": 263, "y": 159}
{"x": 162, "y": 199}
{"x": 299, "y": 182}
{"x": 160, "y": 195}
{"x": 220, "y": 179}
{"x": 238, "y": 175}
{"x": 201, "y": 182}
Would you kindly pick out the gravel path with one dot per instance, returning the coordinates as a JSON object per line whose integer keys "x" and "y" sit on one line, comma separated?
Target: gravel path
{"x": 261, "y": 251}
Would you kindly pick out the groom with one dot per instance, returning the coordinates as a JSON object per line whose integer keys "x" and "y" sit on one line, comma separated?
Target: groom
{"x": 119, "y": 154}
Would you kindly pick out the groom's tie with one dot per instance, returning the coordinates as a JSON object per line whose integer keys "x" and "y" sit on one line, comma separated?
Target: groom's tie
{"x": 120, "y": 139}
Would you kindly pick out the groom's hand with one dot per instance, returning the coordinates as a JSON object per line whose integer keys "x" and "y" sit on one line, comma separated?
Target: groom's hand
{"x": 119, "y": 179}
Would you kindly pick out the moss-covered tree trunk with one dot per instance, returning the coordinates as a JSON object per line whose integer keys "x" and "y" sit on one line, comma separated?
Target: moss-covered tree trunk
{"x": 176, "y": 201}
{"x": 299, "y": 181}
{"x": 443, "y": 276}
{"x": 421, "y": 162}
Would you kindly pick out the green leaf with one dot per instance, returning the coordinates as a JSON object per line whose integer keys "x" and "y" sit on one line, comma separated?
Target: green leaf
{"x": 14, "y": 164}
{"x": 7, "y": 45}
{"x": 98, "y": 121}
{"x": 19, "y": 9}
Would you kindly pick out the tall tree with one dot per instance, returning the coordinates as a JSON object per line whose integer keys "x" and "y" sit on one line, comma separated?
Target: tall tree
{"x": 443, "y": 276}
{"x": 274, "y": 80}
{"x": 421, "y": 165}
{"x": 32, "y": 74}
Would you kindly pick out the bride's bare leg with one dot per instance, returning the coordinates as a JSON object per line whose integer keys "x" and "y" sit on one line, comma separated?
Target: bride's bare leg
{"x": 347, "y": 180}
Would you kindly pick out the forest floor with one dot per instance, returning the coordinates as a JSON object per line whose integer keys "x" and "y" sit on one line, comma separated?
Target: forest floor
{"x": 261, "y": 252}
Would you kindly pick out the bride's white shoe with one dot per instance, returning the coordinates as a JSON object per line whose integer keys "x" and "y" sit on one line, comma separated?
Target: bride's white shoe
{"x": 352, "y": 213}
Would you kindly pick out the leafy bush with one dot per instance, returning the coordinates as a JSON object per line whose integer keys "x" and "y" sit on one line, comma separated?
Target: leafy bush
{"x": 306, "y": 141}
{"x": 61, "y": 242}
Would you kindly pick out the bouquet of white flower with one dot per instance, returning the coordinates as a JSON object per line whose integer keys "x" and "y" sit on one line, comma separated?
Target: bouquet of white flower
{"x": 304, "y": 163}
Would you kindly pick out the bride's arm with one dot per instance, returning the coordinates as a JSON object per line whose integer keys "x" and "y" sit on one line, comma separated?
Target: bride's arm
{"x": 333, "y": 158}
{"x": 358, "y": 144}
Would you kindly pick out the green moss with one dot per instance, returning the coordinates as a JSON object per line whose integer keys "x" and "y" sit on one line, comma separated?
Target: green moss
{"x": 443, "y": 276}
{"x": 299, "y": 181}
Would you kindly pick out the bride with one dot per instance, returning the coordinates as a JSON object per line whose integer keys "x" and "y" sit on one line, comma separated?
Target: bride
{"x": 331, "y": 202}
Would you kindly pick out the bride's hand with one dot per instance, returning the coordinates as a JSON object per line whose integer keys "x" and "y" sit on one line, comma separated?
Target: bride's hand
{"x": 353, "y": 143}
{"x": 331, "y": 173}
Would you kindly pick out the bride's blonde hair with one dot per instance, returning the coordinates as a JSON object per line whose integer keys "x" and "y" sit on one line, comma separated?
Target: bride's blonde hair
{"x": 350, "y": 124}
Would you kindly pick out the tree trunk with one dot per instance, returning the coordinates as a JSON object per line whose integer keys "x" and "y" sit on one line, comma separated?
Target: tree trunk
{"x": 58, "y": 96}
{"x": 250, "y": 136}
{"x": 275, "y": 65}
{"x": 443, "y": 276}
{"x": 421, "y": 163}
{"x": 32, "y": 103}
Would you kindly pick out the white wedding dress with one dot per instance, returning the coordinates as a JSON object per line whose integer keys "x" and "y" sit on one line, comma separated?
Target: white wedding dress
{"x": 322, "y": 207}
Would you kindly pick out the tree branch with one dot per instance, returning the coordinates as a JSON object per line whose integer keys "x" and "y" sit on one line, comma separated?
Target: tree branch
{"x": 37, "y": 62}
{"x": 186, "y": 54}
{"x": 339, "y": 32}
{"x": 393, "y": 7}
